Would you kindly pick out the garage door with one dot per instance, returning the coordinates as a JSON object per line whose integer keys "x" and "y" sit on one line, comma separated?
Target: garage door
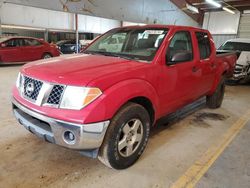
{"x": 244, "y": 27}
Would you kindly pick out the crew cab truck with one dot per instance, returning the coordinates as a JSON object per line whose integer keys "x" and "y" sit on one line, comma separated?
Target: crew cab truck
{"x": 104, "y": 103}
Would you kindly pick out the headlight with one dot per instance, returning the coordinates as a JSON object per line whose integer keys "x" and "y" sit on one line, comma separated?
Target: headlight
{"x": 76, "y": 98}
{"x": 19, "y": 81}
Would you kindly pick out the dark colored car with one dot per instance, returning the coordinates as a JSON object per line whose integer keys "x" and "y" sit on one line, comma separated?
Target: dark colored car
{"x": 68, "y": 46}
{"x": 23, "y": 49}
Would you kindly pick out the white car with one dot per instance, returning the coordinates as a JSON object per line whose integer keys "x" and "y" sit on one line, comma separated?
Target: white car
{"x": 242, "y": 48}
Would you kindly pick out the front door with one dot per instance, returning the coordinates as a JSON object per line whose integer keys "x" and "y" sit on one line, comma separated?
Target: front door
{"x": 180, "y": 75}
{"x": 11, "y": 51}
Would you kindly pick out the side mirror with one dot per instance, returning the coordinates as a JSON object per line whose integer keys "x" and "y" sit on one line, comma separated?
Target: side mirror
{"x": 180, "y": 57}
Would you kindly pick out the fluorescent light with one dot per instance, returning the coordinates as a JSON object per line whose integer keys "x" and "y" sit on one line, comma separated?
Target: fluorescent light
{"x": 192, "y": 8}
{"x": 228, "y": 10}
{"x": 246, "y": 12}
{"x": 212, "y": 2}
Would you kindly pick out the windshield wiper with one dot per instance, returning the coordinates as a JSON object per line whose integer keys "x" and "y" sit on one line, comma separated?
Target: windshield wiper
{"x": 109, "y": 54}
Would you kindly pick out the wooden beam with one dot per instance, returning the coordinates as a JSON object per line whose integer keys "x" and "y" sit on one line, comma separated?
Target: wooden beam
{"x": 181, "y": 4}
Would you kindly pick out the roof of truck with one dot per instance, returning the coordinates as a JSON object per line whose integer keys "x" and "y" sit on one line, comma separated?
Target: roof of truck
{"x": 165, "y": 26}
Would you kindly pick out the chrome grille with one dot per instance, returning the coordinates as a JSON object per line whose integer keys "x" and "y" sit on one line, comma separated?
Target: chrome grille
{"x": 55, "y": 95}
{"x": 36, "y": 87}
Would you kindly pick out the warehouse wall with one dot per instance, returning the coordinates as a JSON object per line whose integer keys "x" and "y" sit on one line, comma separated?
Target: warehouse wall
{"x": 222, "y": 25}
{"x": 95, "y": 24}
{"x": 138, "y": 11}
{"x": 22, "y": 32}
{"x": 36, "y": 17}
{"x": 220, "y": 39}
{"x": 244, "y": 26}
{"x": 53, "y": 20}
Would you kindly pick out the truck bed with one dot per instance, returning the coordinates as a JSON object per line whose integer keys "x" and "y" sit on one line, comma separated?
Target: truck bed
{"x": 228, "y": 58}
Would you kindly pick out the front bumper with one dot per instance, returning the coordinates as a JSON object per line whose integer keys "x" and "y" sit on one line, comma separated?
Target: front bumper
{"x": 241, "y": 72}
{"x": 85, "y": 136}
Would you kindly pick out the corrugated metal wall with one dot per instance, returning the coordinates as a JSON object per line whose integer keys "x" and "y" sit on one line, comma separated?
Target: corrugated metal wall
{"x": 244, "y": 26}
{"x": 220, "y": 39}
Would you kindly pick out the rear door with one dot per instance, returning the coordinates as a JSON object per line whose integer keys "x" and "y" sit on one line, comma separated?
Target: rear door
{"x": 32, "y": 49}
{"x": 206, "y": 64}
{"x": 11, "y": 51}
{"x": 180, "y": 78}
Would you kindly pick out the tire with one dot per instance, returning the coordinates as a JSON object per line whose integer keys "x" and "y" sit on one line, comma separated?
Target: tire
{"x": 130, "y": 127}
{"x": 46, "y": 56}
{"x": 215, "y": 100}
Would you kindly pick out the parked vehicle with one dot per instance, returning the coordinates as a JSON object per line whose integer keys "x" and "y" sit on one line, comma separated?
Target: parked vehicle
{"x": 103, "y": 103}
{"x": 68, "y": 46}
{"x": 84, "y": 44}
{"x": 242, "y": 48}
{"x": 23, "y": 49}
{"x": 113, "y": 43}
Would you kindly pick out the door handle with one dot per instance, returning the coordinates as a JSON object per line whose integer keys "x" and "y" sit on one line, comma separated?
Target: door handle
{"x": 195, "y": 69}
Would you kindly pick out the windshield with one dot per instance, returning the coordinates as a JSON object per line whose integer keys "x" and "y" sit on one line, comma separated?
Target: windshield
{"x": 138, "y": 44}
{"x": 235, "y": 46}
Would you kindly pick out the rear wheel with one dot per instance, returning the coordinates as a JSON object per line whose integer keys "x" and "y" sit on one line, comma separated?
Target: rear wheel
{"x": 126, "y": 137}
{"x": 46, "y": 56}
{"x": 215, "y": 100}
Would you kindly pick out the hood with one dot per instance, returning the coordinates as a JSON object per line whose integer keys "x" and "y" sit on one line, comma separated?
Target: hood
{"x": 77, "y": 70}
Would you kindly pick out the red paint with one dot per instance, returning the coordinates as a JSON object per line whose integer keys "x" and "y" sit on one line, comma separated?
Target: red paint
{"x": 167, "y": 87}
{"x": 26, "y": 53}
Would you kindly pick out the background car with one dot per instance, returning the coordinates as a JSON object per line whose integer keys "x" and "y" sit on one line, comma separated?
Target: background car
{"x": 242, "y": 69}
{"x": 84, "y": 44}
{"x": 23, "y": 49}
{"x": 68, "y": 46}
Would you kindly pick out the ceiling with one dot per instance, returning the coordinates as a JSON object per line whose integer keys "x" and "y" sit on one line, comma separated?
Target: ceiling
{"x": 203, "y": 6}
{"x": 239, "y": 5}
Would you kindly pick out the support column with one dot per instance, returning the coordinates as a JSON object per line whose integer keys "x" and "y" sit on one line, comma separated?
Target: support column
{"x": 1, "y": 3}
{"x": 46, "y": 35}
{"x": 0, "y": 25}
{"x": 77, "y": 33}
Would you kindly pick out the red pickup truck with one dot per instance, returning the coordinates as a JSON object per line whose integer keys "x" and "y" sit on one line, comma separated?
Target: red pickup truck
{"x": 104, "y": 102}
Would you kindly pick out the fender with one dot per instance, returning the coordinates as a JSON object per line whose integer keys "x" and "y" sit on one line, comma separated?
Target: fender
{"x": 113, "y": 98}
{"x": 221, "y": 70}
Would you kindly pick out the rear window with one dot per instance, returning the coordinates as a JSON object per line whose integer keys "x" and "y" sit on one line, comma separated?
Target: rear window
{"x": 32, "y": 42}
{"x": 235, "y": 46}
{"x": 204, "y": 44}
{"x": 3, "y": 39}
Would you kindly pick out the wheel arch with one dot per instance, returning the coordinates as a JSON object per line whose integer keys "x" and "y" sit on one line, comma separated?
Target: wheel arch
{"x": 136, "y": 91}
{"x": 147, "y": 104}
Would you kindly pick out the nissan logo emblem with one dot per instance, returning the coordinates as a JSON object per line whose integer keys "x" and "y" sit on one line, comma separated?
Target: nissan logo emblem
{"x": 30, "y": 88}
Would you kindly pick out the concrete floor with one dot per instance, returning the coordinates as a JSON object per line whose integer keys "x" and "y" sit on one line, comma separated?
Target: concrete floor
{"x": 27, "y": 161}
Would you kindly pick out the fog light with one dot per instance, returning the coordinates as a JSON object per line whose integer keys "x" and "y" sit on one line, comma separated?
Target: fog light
{"x": 69, "y": 137}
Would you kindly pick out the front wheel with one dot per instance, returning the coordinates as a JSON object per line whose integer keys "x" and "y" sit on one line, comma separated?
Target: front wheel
{"x": 126, "y": 137}
{"x": 215, "y": 100}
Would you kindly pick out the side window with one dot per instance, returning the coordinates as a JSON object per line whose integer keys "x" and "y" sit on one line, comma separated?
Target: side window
{"x": 180, "y": 48}
{"x": 11, "y": 43}
{"x": 20, "y": 42}
{"x": 204, "y": 45}
{"x": 31, "y": 42}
